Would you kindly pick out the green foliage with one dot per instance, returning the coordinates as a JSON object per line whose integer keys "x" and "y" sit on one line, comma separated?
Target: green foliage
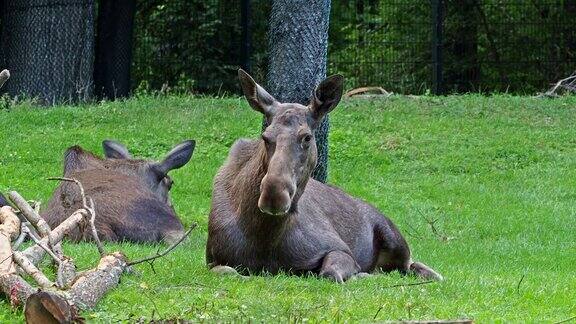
{"x": 192, "y": 46}
{"x": 496, "y": 173}
{"x": 488, "y": 45}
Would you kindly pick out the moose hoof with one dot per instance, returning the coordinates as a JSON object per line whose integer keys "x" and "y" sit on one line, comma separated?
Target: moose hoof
{"x": 227, "y": 271}
{"x": 360, "y": 275}
{"x": 332, "y": 275}
{"x": 424, "y": 271}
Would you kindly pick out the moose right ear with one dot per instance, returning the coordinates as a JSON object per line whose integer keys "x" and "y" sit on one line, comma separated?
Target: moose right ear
{"x": 177, "y": 157}
{"x": 115, "y": 150}
{"x": 258, "y": 98}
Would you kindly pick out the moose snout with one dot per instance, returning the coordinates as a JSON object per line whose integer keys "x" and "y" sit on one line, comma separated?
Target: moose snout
{"x": 276, "y": 195}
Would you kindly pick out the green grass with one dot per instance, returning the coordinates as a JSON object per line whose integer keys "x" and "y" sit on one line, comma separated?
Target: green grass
{"x": 497, "y": 173}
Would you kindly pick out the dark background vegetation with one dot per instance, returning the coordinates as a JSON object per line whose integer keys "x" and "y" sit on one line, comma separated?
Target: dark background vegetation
{"x": 488, "y": 45}
{"x": 196, "y": 46}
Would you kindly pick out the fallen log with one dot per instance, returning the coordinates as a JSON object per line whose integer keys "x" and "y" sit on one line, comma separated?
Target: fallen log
{"x": 63, "y": 299}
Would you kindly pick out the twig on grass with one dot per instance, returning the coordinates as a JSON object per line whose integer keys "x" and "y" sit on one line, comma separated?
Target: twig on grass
{"x": 519, "y": 283}
{"x": 410, "y": 284}
{"x": 435, "y": 231}
{"x": 566, "y": 83}
{"x": 151, "y": 258}
{"x": 414, "y": 233}
{"x": 566, "y": 320}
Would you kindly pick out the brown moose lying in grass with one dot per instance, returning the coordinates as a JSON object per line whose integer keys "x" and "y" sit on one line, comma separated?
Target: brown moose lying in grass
{"x": 269, "y": 215}
{"x": 131, "y": 196}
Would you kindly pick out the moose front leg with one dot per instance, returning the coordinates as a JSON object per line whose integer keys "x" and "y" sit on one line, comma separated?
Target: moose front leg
{"x": 339, "y": 266}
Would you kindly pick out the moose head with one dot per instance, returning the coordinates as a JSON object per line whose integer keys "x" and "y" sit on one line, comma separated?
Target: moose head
{"x": 290, "y": 146}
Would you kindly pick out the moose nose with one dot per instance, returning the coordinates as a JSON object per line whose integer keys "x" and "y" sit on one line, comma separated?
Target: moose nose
{"x": 275, "y": 196}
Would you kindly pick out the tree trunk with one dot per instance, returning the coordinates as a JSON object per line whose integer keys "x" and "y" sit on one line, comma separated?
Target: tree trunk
{"x": 298, "y": 44}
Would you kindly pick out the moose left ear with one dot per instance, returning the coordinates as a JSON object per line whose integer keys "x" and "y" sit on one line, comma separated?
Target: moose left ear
{"x": 177, "y": 157}
{"x": 115, "y": 150}
{"x": 326, "y": 97}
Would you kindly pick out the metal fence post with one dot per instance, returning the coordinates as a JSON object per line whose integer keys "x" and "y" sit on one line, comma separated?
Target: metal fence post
{"x": 114, "y": 48}
{"x": 246, "y": 35}
{"x": 437, "y": 81}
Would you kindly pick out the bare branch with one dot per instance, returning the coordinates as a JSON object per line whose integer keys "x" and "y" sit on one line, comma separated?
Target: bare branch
{"x": 170, "y": 248}
{"x": 565, "y": 320}
{"x": 30, "y": 214}
{"x": 72, "y": 292}
{"x": 562, "y": 84}
{"x": 56, "y": 258}
{"x": 20, "y": 238}
{"x": 4, "y": 76}
{"x": 82, "y": 194}
{"x": 99, "y": 245}
{"x": 410, "y": 284}
{"x": 31, "y": 269}
{"x": 91, "y": 210}
{"x": 35, "y": 253}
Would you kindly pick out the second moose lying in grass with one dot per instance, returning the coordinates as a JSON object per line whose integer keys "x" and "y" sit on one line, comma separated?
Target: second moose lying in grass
{"x": 131, "y": 196}
{"x": 269, "y": 215}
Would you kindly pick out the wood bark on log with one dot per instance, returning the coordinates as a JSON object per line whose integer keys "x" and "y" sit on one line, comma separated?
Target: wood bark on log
{"x": 60, "y": 301}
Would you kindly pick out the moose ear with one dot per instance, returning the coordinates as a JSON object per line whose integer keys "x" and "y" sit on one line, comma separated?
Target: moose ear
{"x": 75, "y": 158}
{"x": 326, "y": 96}
{"x": 115, "y": 150}
{"x": 177, "y": 157}
{"x": 258, "y": 98}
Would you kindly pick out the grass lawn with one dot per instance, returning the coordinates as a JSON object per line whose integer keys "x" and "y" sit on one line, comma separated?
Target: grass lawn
{"x": 498, "y": 174}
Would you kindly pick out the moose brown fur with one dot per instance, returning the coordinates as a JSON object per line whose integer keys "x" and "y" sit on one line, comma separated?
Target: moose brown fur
{"x": 269, "y": 215}
{"x": 131, "y": 196}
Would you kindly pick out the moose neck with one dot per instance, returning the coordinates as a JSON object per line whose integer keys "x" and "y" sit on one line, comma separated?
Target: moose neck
{"x": 245, "y": 192}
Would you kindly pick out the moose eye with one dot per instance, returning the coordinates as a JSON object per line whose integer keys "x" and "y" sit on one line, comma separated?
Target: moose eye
{"x": 306, "y": 140}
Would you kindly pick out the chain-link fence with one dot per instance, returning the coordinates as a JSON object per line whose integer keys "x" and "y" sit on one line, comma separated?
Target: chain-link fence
{"x": 197, "y": 44}
{"x": 402, "y": 45}
{"x": 49, "y": 47}
{"x": 454, "y": 45}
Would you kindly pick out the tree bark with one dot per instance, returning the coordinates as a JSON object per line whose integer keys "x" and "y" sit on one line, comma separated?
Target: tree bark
{"x": 298, "y": 44}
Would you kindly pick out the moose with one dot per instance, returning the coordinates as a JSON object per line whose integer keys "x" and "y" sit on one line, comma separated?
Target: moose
{"x": 268, "y": 215}
{"x": 131, "y": 196}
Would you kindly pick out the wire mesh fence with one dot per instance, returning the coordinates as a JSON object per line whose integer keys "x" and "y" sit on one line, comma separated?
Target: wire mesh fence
{"x": 486, "y": 45}
{"x": 405, "y": 46}
{"x": 402, "y": 45}
{"x": 49, "y": 47}
{"x": 194, "y": 44}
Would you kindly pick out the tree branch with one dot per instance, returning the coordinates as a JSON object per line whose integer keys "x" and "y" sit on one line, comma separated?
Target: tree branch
{"x": 91, "y": 210}
{"x": 170, "y": 248}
